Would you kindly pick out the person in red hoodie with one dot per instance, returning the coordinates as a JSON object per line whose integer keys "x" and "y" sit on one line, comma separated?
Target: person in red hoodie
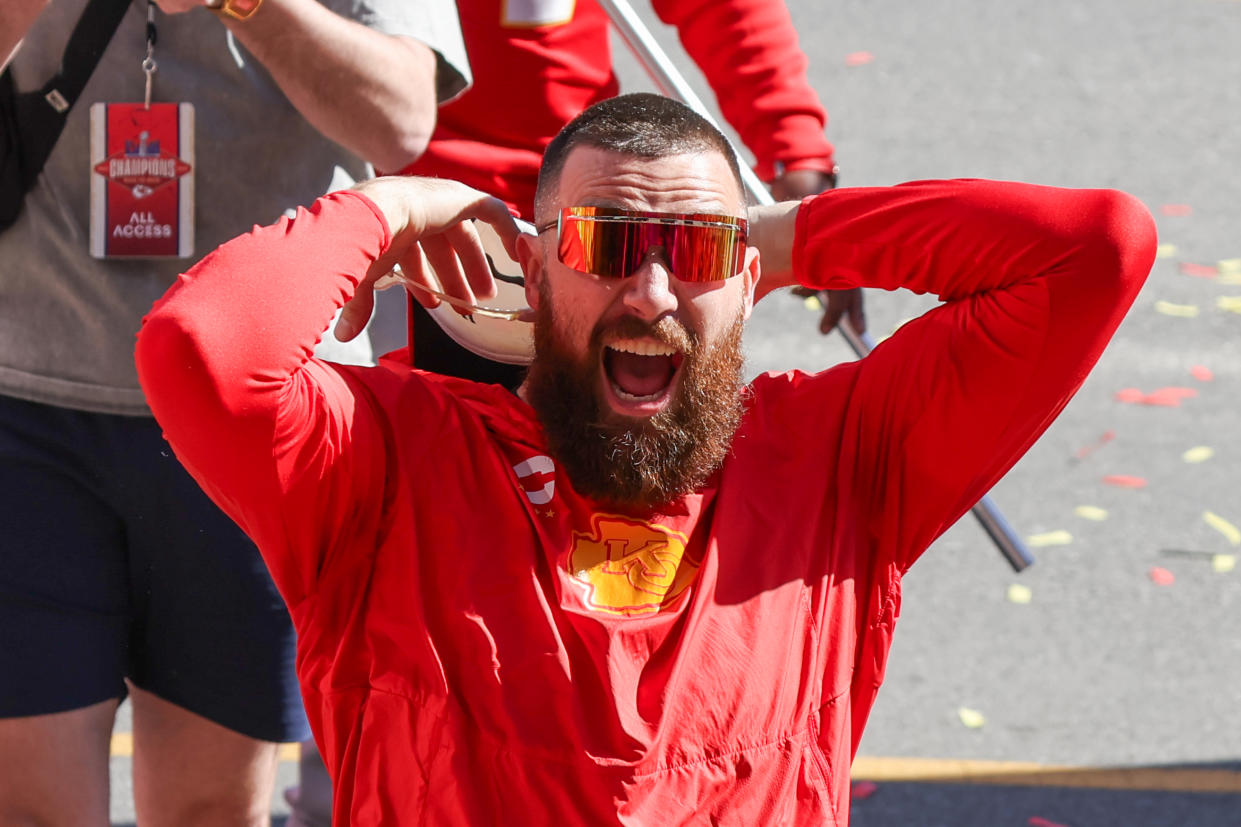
{"x": 538, "y": 63}
{"x": 638, "y": 590}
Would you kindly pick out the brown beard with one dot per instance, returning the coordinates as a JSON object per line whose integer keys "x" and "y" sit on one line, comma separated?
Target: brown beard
{"x": 630, "y": 462}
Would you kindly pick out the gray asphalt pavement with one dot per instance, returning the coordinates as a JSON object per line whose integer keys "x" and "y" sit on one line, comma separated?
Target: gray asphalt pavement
{"x": 1104, "y": 668}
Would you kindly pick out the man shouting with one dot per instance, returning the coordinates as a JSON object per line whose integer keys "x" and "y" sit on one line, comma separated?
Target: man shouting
{"x": 638, "y": 591}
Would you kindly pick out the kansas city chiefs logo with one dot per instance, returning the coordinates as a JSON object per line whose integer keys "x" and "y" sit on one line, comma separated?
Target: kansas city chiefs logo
{"x": 630, "y": 567}
{"x": 142, "y": 167}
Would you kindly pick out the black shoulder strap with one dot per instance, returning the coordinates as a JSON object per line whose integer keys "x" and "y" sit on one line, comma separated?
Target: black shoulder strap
{"x": 99, "y": 21}
{"x": 39, "y": 116}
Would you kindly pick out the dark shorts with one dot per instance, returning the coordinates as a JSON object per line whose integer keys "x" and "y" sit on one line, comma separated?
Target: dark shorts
{"x": 114, "y": 564}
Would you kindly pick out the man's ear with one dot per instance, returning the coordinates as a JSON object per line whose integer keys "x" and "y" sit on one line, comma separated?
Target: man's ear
{"x": 530, "y": 256}
{"x": 751, "y": 273}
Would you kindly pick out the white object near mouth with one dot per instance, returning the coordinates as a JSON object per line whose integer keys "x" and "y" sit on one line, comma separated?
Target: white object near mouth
{"x": 499, "y": 330}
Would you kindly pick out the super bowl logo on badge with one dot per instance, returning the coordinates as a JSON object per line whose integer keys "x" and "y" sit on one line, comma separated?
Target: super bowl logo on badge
{"x": 142, "y": 180}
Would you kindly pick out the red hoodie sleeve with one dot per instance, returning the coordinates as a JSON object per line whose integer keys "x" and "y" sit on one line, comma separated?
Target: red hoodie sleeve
{"x": 748, "y": 51}
{"x": 1034, "y": 281}
{"x": 225, "y": 359}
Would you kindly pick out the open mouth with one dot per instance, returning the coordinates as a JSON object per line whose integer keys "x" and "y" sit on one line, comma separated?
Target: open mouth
{"x": 641, "y": 373}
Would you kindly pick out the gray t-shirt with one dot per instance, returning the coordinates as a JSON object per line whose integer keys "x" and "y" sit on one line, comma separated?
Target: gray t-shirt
{"x": 68, "y": 321}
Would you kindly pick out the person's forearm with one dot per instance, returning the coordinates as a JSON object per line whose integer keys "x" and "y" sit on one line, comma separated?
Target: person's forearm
{"x": 748, "y": 52}
{"x": 16, "y": 18}
{"x": 956, "y": 239}
{"x": 370, "y": 92}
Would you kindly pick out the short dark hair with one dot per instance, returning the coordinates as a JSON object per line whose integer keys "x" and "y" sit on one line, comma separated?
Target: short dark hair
{"x": 641, "y": 124}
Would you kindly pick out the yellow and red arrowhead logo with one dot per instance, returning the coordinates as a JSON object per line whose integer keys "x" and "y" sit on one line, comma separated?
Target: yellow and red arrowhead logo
{"x": 630, "y": 567}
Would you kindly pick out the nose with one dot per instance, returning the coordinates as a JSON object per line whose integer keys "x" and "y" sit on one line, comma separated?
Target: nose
{"x": 649, "y": 290}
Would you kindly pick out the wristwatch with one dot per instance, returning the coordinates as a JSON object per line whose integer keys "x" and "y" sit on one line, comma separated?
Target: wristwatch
{"x": 236, "y": 9}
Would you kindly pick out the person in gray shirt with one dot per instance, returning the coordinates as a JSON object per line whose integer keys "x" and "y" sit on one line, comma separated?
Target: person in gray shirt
{"x": 117, "y": 576}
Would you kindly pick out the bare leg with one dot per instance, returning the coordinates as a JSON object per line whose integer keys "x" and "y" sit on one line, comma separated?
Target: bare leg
{"x": 189, "y": 771}
{"x": 54, "y": 768}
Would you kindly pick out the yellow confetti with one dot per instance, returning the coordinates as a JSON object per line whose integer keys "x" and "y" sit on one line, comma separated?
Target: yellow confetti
{"x": 1050, "y": 538}
{"x": 813, "y": 304}
{"x": 1230, "y": 303}
{"x": 1018, "y": 593}
{"x": 1165, "y": 251}
{"x": 972, "y": 718}
{"x": 1184, "y": 311}
{"x": 1091, "y": 512}
{"x": 1223, "y": 563}
{"x": 1229, "y": 278}
{"x": 1199, "y": 453}
{"x": 1230, "y": 531}
{"x": 1229, "y": 265}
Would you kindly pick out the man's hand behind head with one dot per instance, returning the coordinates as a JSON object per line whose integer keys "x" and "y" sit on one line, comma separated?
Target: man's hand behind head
{"x": 429, "y": 220}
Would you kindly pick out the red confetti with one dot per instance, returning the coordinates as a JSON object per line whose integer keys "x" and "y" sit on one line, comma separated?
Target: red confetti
{"x": 1164, "y": 397}
{"x": 1125, "y": 481}
{"x": 1036, "y": 821}
{"x": 1176, "y": 209}
{"x": 1169, "y": 397}
{"x": 1202, "y": 271}
{"x": 1202, "y": 373}
{"x": 1087, "y": 450}
{"x": 1161, "y": 576}
{"x": 858, "y": 58}
{"x": 863, "y": 789}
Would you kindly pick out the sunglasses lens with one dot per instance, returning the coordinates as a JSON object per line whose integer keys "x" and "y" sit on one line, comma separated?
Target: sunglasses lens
{"x": 613, "y": 243}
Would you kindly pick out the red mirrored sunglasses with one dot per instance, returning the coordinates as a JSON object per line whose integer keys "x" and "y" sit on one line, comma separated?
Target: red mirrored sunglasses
{"x": 612, "y": 243}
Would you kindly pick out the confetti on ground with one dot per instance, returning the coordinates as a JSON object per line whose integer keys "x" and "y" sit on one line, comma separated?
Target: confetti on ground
{"x": 1050, "y": 538}
{"x": 812, "y": 304}
{"x": 1183, "y": 311}
{"x": 1038, "y": 821}
{"x": 1018, "y": 593}
{"x": 972, "y": 718}
{"x": 1161, "y": 576}
{"x": 1202, "y": 373}
{"x": 1232, "y": 304}
{"x": 1087, "y": 450}
{"x": 1163, "y": 397}
{"x": 1199, "y": 453}
{"x": 1176, "y": 209}
{"x": 1165, "y": 251}
{"x": 858, "y": 58}
{"x": 1229, "y": 265}
{"x": 1230, "y": 278}
{"x": 863, "y": 789}
{"x": 1091, "y": 512}
{"x": 1201, "y": 271}
{"x": 1223, "y": 563}
{"x": 1125, "y": 481}
{"x": 1230, "y": 531}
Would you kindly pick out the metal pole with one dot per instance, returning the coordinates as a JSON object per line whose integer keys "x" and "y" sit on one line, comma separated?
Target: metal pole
{"x": 670, "y": 82}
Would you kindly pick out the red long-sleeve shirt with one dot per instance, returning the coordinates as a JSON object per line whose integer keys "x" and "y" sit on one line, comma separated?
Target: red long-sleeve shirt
{"x": 533, "y": 74}
{"x": 480, "y": 644}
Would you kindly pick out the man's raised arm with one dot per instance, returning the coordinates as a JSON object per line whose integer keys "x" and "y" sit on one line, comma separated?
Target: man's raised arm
{"x": 1034, "y": 280}
{"x": 225, "y": 357}
{"x": 373, "y": 93}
